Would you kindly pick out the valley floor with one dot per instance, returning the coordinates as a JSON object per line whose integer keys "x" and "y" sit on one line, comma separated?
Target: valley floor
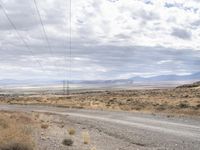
{"x": 174, "y": 101}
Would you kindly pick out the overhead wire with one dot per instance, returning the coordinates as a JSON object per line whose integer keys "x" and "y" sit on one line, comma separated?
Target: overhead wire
{"x": 19, "y": 35}
{"x": 65, "y": 56}
{"x": 47, "y": 40}
{"x": 68, "y": 52}
{"x": 70, "y": 47}
{"x": 44, "y": 31}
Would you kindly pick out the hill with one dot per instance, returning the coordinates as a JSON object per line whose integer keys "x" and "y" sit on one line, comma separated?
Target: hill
{"x": 193, "y": 85}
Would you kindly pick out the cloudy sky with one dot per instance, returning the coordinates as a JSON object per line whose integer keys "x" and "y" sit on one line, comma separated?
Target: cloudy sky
{"x": 111, "y": 39}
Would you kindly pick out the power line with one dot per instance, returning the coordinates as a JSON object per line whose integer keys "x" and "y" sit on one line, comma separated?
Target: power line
{"x": 44, "y": 31}
{"x": 70, "y": 46}
{"x": 19, "y": 35}
{"x": 65, "y": 52}
{"x": 68, "y": 49}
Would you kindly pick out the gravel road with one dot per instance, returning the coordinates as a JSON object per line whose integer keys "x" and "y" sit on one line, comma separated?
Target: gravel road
{"x": 133, "y": 130}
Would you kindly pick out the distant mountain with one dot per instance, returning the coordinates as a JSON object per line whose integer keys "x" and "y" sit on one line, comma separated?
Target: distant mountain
{"x": 193, "y": 85}
{"x": 133, "y": 80}
{"x": 162, "y": 78}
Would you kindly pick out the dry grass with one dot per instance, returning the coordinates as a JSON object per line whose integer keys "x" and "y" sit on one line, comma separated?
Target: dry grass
{"x": 44, "y": 126}
{"x": 93, "y": 148}
{"x": 16, "y": 146}
{"x": 37, "y": 116}
{"x": 71, "y": 131}
{"x": 14, "y": 134}
{"x": 86, "y": 137}
{"x": 3, "y": 124}
{"x": 17, "y": 131}
{"x": 176, "y": 101}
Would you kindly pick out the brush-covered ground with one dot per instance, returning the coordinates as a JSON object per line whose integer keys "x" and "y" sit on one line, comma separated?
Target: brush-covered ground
{"x": 45, "y": 131}
{"x": 182, "y": 100}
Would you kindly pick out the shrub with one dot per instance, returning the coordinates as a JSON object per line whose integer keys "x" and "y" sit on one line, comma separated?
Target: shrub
{"x": 3, "y": 124}
{"x": 44, "y": 126}
{"x": 16, "y": 146}
{"x": 183, "y": 105}
{"x": 67, "y": 142}
{"x": 15, "y": 135}
{"x": 161, "y": 107}
{"x": 198, "y": 105}
{"x": 71, "y": 131}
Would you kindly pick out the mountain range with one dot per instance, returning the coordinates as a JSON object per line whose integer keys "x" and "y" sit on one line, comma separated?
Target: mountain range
{"x": 133, "y": 80}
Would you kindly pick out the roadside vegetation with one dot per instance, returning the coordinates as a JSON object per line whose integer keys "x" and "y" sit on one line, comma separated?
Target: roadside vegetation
{"x": 40, "y": 131}
{"x": 15, "y": 132}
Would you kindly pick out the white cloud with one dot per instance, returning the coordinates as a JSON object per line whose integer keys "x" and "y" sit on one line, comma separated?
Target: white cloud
{"x": 164, "y": 61}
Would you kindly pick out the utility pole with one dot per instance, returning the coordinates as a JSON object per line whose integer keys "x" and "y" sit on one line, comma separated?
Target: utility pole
{"x": 68, "y": 87}
{"x": 64, "y": 89}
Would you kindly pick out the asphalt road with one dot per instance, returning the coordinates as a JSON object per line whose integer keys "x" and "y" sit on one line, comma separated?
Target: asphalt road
{"x": 139, "y": 131}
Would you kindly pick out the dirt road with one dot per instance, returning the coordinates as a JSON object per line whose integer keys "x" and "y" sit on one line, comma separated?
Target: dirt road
{"x": 136, "y": 130}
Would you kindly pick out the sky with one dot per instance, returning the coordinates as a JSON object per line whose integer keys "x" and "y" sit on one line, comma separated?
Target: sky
{"x": 111, "y": 39}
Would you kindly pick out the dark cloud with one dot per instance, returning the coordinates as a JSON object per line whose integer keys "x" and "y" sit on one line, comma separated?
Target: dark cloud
{"x": 112, "y": 61}
{"x": 196, "y": 23}
{"x": 181, "y": 33}
{"x": 146, "y": 15}
{"x": 196, "y": 0}
{"x": 113, "y": 1}
{"x": 150, "y": 2}
{"x": 181, "y": 6}
{"x": 171, "y": 5}
{"x": 122, "y": 36}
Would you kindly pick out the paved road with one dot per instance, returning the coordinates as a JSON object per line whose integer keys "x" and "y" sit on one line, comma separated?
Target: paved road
{"x": 141, "y": 131}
